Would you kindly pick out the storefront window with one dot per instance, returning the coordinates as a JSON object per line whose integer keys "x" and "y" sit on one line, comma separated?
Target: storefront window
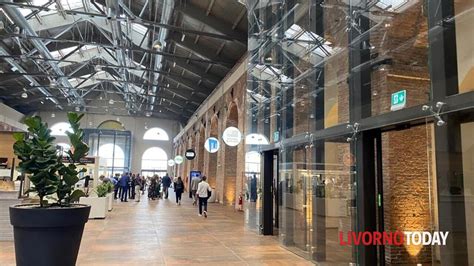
{"x": 464, "y": 19}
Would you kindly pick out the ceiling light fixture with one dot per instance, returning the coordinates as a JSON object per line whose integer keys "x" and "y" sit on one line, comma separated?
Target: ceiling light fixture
{"x": 77, "y": 109}
{"x": 111, "y": 101}
{"x": 174, "y": 64}
{"x": 24, "y": 95}
{"x": 148, "y": 114}
{"x": 182, "y": 37}
{"x": 157, "y": 45}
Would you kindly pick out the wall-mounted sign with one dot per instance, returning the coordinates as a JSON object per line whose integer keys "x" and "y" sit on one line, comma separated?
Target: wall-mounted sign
{"x": 276, "y": 136}
{"x": 178, "y": 159}
{"x": 170, "y": 162}
{"x": 399, "y": 100}
{"x": 232, "y": 136}
{"x": 212, "y": 145}
{"x": 190, "y": 154}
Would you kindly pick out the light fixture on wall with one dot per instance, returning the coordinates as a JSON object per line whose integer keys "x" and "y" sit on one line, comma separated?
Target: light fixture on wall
{"x": 148, "y": 113}
{"x": 77, "y": 109}
{"x": 111, "y": 101}
{"x": 53, "y": 115}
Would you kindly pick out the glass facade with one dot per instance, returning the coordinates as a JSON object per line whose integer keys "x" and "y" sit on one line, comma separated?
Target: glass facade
{"x": 367, "y": 112}
{"x": 113, "y": 145}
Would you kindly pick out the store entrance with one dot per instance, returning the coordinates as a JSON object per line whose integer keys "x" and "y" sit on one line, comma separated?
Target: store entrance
{"x": 404, "y": 165}
{"x": 271, "y": 188}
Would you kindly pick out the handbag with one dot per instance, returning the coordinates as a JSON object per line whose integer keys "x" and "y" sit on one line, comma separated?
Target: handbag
{"x": 209, "y": 193}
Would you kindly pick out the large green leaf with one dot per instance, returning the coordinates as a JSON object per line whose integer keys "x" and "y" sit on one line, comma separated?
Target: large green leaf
{"x": 74, "y": 197}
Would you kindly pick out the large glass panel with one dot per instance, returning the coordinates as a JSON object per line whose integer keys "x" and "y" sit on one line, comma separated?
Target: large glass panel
{"x": 393, "y": 48}
{"x": 455, "y": 198}
{"x": 333, "y": 201}
{"x": 298, "y": 67}
{"x": 296, "y": 200}
{"x": 464, "y": 19}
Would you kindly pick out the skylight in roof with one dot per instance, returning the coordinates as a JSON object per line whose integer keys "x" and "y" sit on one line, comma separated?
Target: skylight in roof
{"x": 303, "y": 41}
{"x": 391, "y": 5}
{"x": 71, "y": 4}
{"x": 60, "y": 53}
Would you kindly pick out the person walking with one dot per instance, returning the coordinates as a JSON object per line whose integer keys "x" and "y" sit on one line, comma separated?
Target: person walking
{"x": 203, "y": 192}
{"x": 194, "y": 188}
{"x": 166, "y": 183}
{"x": 124, "y": 185}
{"x": 138, "y": 187}
{"x": 178, "y": 189}
{"x": 131, "y": 195}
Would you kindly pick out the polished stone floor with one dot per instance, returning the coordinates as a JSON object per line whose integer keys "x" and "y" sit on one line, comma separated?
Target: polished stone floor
{"x": 161, "y": 233}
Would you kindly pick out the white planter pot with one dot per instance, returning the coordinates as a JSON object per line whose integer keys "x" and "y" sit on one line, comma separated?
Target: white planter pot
{"x": 110, "y": 201}
{"x": 99, "y": 206}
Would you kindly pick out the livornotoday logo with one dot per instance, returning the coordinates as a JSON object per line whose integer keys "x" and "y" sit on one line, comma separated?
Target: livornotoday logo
{"x": 397, "y": 238}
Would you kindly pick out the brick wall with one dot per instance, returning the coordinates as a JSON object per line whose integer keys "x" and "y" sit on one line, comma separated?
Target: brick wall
{"x": 224, "y": 168}
{"x": 406, "y": 190}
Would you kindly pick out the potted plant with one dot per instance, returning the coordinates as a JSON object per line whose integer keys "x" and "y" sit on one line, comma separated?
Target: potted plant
{"x": 50, "y": 232}
{"x": 98, "y": 202}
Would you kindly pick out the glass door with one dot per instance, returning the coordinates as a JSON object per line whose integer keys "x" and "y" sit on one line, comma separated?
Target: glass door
{"x": 405, "y": 191}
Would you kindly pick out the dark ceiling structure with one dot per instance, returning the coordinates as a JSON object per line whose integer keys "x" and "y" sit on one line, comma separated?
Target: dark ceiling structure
{"x": 159, "y": 58}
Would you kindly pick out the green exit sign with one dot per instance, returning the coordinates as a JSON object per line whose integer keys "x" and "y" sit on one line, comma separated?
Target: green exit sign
{"x": 399, "y": 100}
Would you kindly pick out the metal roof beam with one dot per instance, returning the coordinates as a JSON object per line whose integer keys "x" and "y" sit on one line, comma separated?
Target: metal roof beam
{"x": 200, "y": 51}
{"x": 199, "y": 15}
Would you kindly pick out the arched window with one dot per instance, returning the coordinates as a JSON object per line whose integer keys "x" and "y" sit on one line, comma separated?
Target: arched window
{"x": 113, "y": 155}
{"x": 63, "y": 148}
{"x": 156, "y": 133}
{"x": 154, "y": 160}
{"x": 111, "y": 124}
{"x": 60, "y": 129}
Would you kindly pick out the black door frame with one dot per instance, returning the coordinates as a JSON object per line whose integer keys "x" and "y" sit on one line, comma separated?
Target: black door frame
{"x": 268, "y": 199}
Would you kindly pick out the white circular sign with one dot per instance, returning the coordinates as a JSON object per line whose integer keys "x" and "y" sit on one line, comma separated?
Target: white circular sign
{"x": 178, "y": 159}
{"x": 170, "y": 162}
{"x": 232, "y": 136}
{"x": 212, "y": 145}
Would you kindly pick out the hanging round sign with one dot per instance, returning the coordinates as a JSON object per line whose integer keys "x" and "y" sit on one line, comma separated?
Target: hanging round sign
{"x": 212, "y": 145}
{"x": 170, "y": 162}
{"x": 178, "y": 159}
{"x": 190, "y": 154}
{"x": 232, "y": 136}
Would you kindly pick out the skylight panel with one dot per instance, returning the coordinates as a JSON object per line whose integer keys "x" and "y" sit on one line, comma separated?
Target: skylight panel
{"x": 393, "y": 4}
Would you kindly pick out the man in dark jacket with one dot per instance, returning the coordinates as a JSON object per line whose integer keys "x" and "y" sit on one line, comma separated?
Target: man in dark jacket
{"x": 166, "y": 182}
{"x": 123, "y": 182}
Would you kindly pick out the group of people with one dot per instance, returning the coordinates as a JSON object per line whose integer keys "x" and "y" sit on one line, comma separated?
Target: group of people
{"x": 131, "y": 186}
{"x": 128, "y": 185}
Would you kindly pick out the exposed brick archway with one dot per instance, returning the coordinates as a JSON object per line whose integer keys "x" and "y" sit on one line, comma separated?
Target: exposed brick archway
{"x": 230, "y": 163}
{"x": 212, "y": 172}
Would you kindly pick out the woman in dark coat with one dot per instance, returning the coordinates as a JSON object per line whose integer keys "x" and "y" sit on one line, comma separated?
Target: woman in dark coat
{"x": 178, "y": 189}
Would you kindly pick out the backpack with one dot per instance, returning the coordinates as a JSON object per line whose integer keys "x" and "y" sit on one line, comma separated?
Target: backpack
{"x": 179, "y": 185}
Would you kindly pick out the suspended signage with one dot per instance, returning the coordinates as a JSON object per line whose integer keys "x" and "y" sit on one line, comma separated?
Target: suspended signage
{"x": 232, "y": 136}
{"x": 212, "y": 145}
{"x": 178, "y": 159}
{"x": 170, "y": 162}
{"x": 190, "y": 154}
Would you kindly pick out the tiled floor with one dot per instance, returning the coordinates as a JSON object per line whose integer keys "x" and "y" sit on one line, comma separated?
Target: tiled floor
{"x": 161, "y": 233}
